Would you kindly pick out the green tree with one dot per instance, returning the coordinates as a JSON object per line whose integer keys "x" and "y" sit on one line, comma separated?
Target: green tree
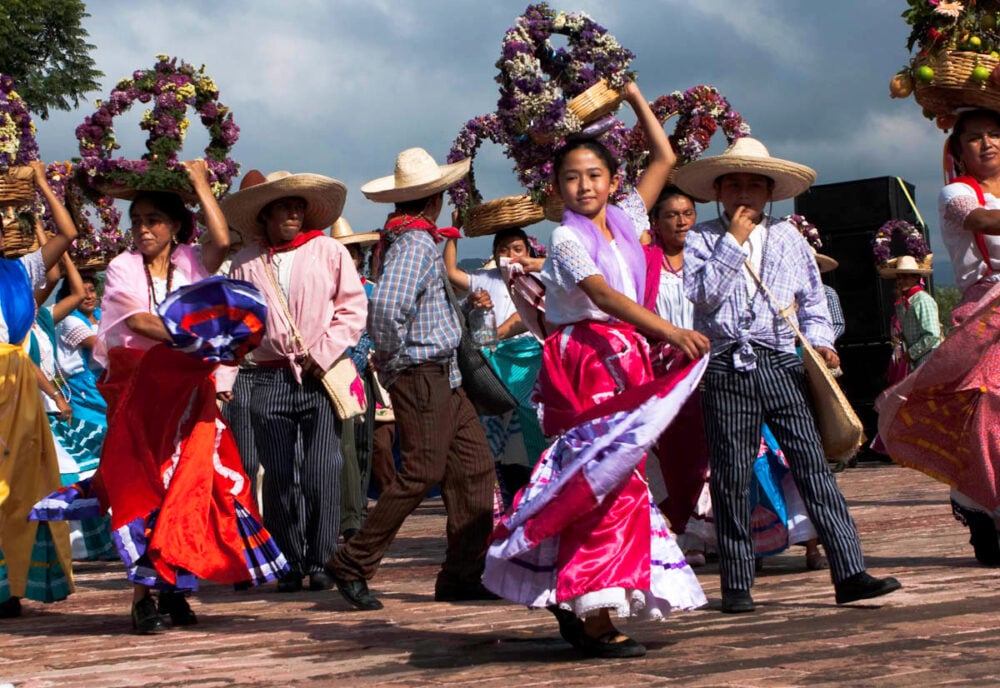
{"x": 43, "y": 47}
{"x": 947, "y": 298}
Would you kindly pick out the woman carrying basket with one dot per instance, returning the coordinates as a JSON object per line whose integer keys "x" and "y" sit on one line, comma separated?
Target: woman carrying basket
{"x": 959, "y": 380}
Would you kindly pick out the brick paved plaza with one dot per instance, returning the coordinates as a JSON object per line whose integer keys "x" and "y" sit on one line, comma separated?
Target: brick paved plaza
{"x": 941, "y": 629}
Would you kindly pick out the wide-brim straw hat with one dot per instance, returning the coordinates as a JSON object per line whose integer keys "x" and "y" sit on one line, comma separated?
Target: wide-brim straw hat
{"x": 324, "y": 197}
{"x": 342, "y": 232}
{"x": 749, "y": 156}
{"x": 907, "y": 265}
{"x": 416, "y": 176}
{"x": 825, "y": 262}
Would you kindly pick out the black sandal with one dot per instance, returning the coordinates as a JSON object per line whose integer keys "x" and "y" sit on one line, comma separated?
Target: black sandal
{"x": 570, "y": 625}
{"x": 611, "y": 645}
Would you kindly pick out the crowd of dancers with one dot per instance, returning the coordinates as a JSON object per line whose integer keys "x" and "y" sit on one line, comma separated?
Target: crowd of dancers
{"x": 660, "y": 344}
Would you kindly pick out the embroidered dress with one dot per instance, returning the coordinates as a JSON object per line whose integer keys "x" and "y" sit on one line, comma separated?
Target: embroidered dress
{"x": 943, "y": 418}
{"x": 181, "y": 506}
{"x": 79, "y": 369}
{"x": 34, "y": 558}
{"x": 584, "y": 533}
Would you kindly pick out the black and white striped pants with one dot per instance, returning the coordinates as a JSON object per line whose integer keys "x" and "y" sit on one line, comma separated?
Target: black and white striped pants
{"x": 237, "y": 414}
{"x": 736, "y": 404}
{"x": 297, "y": 435}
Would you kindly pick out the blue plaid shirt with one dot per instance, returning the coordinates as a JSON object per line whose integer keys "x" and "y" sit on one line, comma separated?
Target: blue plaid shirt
{"x": 410, "y": 319}
{"x": 730, "y": 313}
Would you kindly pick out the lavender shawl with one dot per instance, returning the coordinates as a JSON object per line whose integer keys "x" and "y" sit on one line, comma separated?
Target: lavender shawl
{"x": 596, "y": 245}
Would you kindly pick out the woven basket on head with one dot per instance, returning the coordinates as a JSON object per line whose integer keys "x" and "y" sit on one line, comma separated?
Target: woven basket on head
{"x": 953, "y": 86}
{"x": 17, "y": 186}
{"x": 16, "y": 242}
{"x": 594, "y": 103}
{"x": 502, "y": 213}
{"x": 96, "y": 263}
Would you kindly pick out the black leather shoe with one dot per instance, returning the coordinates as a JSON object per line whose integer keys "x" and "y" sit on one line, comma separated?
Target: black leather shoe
{"x": 463, "y": 593}
{"x": 737, "y": 602}
{"x": 357, "y": 593}
{"x": 570, "y": 625}
{"x": 11, "y": 608}
{"x": 290, "y": 582}
{"x": 611, "y": 645}
{"x": 320, "y": 581}
{"x": 862, "y": 586}
{"x": 176, "y": 605}
{"x": 145, "y": 619}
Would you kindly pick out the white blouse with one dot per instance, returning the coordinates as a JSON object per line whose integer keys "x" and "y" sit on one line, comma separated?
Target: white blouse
{"x": 954, "y": 205}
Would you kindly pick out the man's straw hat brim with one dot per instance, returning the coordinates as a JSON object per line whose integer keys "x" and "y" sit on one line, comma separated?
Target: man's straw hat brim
{"x": 342, "y": 232}
{"x": 907, "y": 265}
{"x": 750, "y": 156}
{"x": 324, "y": 197}
{"x": 826, "y": 263}
{"x": 416, "y": 176}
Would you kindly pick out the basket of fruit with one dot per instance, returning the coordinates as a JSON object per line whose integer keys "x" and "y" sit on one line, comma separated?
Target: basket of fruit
{"x": 957, "y": 63}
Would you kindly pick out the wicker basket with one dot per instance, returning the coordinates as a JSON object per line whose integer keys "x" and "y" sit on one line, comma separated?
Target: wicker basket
{"x": 502, "y": 213}
{"x": 16, "y": 243}
{"x": 594, "y": 103}
{"x": 17, "y": 186}
{"x": 97, "y": 263}
{"x": 553, "y": 208}
{"x": 953, "y": 86}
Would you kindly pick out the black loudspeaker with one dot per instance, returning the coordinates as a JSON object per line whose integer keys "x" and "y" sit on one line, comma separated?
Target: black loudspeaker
{"x": 848, "y": 214}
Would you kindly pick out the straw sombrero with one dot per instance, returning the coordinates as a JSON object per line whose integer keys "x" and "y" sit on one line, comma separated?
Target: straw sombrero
{"x": 324, "y": 197}
{"x": 825, "y": 262}
{"x": 342, "y": 232}
{"x": 417, "y": 176}
{"x": 906, "y": 265}
{"x": 750, "y": 156}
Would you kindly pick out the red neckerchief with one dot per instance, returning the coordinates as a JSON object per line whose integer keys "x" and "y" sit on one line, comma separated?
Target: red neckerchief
{"x": 396, "y": 224}
{"x": 298, "y": 240}
{"x": 905, "y": 298}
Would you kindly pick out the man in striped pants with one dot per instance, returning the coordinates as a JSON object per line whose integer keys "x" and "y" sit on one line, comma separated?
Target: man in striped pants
{"x": 316, "y": 309}
{"x": 754, "y": 375}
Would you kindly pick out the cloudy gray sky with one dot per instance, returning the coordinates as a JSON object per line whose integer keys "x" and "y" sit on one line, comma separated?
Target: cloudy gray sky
{"x": 338, "y": 87}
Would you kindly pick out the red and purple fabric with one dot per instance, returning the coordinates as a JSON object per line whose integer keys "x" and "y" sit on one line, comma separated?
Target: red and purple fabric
{"x": 216, "y": 319}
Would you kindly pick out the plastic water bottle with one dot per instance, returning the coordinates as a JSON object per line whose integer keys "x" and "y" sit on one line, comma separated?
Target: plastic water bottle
{"x": 483, "y": 326}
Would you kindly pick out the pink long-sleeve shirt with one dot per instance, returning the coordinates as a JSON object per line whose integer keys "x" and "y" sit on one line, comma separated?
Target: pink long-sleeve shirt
{"x": 325, "y": 296}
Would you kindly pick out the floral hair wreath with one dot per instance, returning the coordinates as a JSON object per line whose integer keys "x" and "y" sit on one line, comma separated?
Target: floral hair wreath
{"x": 914, "y": 242}
{"x": 17, "y": 131}
{"x": 807, "y": 229}
{"x": 105, "y": 240}
{"x": 533, "y": 160}
{"x": 702, "y": 110}
{"x": 172, "y": 87}
{"x": 536, "y": 80}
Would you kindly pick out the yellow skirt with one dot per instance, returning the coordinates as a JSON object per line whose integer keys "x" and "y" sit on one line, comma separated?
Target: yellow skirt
{"x": 34, "y": 558}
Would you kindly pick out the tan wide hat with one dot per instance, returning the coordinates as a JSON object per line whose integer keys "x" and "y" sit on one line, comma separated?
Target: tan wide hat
{"x": 342, "y": 232}
{"x": 907, "y": 265}
{"x": 417, "y": 176}
{"x": 825, "y": 262}
{"x": 324, "y": 197}
{"x": 750, "y": 156}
